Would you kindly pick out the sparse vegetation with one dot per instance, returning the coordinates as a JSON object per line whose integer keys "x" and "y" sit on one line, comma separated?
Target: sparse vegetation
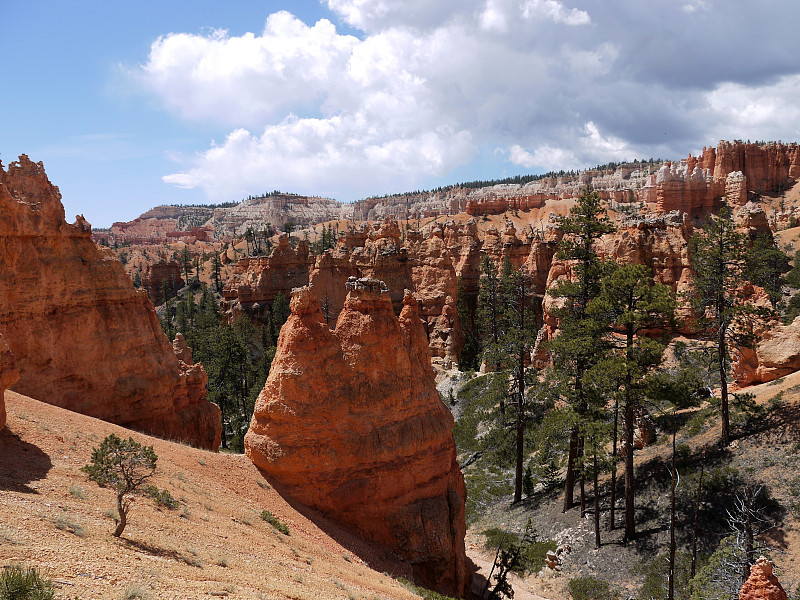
{"x": 589, "y": 588}
{"x": 18, "y": 583}
{"x": 275, "y": 522}
{"x": 67, "y": 523}
{"x": 161, "y": 497}
{"x": 425, "y": 593}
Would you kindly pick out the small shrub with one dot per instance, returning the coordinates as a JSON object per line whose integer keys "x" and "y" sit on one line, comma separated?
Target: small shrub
{"x": 65, "y": 523}
{"x": 134, "y": 592}
{"x": 275, "y": 522}
{"x": 589, "y": 588}
{"x": 530, "y": 552}
{"x": 17, "y": 583}
{"x": 76, "y": 491}
{"x": 425, "y": 593}
{"x": 697, "y": 423}
{"x": 161, "y": 497}
{"x": 683, "y": 451}
{"x": 775, "y": 402}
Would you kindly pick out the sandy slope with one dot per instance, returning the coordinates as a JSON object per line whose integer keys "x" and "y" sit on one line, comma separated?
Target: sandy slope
{"x": 213, "y": 545}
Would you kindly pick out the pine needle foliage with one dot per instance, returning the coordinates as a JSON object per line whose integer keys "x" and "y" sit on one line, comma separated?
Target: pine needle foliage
{"x": 124, "y": 466}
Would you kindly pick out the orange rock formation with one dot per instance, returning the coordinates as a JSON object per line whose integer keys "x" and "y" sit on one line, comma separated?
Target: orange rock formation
{"x": 762, "y": 583}
{"x": 350, "y": 423}
{"x": 9, "y": 375}
{"x": 154, "y": 277}
{"x": 423, "y": 265}
{"x": 83, "y": 337}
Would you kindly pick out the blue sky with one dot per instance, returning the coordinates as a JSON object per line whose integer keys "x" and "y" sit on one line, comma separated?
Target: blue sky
{"x": 131, "y": 105}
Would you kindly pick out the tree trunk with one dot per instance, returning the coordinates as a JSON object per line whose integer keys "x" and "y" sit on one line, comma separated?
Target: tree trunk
{"x": 696, "y": 520}
{"x": 582, "y": 473}
{"x": 596, "y": 502}
{"x": 611, "y": 518}
{"x": 520, "y": 432}
{"x": 630, "y": 491}
{"x": 123, "y": 516}
{"x": 671, "y": 594}
{"x": 726, "y": 426}
{"x": 569, "y": 485}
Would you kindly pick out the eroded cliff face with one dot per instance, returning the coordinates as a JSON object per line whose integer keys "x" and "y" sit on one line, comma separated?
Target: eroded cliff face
{"x": 9, "y": 375}
{"x": 350, "y": 423}
{"x": 83, "y": 337}
{"x": 421, "y": 264}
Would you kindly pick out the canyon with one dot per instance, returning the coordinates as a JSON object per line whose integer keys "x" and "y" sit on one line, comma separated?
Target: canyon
{"x": 349, "y": 422}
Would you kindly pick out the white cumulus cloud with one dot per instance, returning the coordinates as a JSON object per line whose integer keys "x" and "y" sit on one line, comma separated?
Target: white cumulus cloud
{"x": 428, "y": 86}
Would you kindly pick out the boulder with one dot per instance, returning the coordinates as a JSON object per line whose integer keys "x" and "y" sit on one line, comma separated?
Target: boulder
{"x": 350, "y": 423}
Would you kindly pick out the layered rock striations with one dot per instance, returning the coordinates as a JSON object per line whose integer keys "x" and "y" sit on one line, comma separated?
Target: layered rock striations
{"x": 350, "y": 423}
{"x": 776, "y": 354}
{"x": 83, "y": 337}
{"x": 9, "y": 375}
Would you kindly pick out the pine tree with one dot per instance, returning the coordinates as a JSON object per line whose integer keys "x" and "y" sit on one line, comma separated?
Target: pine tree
{"x": 630, "y": 301}
{"x": 718, "y": 255}
{"x": 574, "y": 349}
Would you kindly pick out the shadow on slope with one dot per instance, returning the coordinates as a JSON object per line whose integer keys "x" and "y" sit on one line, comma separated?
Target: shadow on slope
{"x": 21, "y": 463}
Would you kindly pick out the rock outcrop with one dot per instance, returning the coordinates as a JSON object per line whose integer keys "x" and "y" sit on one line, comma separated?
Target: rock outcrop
{"x": 378, "y": 251}
{"x": 350, "y": 423}
{"x": 9, "y": 375}
{"x": 156, "y": 275}
{"x": 777, "y": 354}
{"x": 762, "y": 583}
{"x": 83, "y": 337}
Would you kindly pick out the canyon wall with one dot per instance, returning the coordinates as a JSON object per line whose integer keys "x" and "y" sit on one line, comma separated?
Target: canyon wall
{"x": 350, "y": 423}
{"x": 421, "y": 264}
{"x": 83, "y": 337}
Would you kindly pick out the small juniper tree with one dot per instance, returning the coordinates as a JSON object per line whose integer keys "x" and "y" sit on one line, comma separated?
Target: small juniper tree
{"x": 123, "y": 465}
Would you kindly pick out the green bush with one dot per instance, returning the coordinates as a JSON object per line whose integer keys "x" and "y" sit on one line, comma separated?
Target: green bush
{"x": 425, "y": 593}
{"x": 17, "y": 583}
{"x": 589, "y": 588}
{"x": 531, "y": 553}
{"x": 275, "y": 522}
{"x": 161, "y": 497}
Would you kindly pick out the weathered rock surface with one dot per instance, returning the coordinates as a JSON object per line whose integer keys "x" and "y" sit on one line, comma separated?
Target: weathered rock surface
{"x": 350, "y": 423}
{"x": 762, "y": 583}
{"x": 83, "y": 337}
{"x": 156, "y": 275}
{"x": 421, "y": 264}
{"x": 777, "y": 354}
{"x": 9, "y": 375}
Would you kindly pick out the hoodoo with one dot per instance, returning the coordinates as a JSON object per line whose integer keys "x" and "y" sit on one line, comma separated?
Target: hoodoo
{"x": 83, "y": 337}
{"x": 351, "y": 424}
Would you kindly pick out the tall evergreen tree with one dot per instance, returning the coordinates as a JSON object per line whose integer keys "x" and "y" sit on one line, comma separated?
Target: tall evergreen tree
{"x": 718, "y": 254}
{"x": 630, "y": 302}
{"x": 574, "y": 349}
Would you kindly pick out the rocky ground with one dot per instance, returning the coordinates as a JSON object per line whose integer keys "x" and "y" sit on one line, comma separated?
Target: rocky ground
{"x": 213, "y": 545}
